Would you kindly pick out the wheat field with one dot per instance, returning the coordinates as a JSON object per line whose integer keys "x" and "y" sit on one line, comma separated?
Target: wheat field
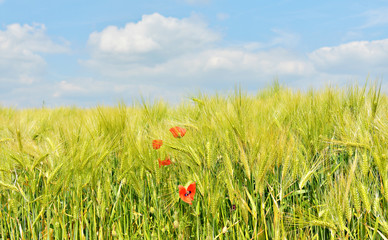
{"x": 281, "y": 164}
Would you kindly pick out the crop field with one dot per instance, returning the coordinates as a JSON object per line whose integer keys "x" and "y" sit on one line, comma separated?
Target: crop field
{"x": 280, "y": 164}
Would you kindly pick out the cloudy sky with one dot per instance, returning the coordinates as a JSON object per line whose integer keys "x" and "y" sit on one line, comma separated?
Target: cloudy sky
{"x": 86, "y": 53}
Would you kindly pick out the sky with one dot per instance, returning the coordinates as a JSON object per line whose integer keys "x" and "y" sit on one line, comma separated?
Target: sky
{"x": 89, "y": 53}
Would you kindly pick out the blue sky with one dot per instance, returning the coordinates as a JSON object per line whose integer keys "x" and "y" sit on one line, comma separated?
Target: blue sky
{"x": 86, "y": 53}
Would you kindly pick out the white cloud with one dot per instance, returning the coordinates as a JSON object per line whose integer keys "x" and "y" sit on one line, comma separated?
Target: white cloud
{"x": 284, "y": 38}
{"x": 172, "y": 49}
{"x": 262, "y": 63}
{"x": 89, "y": 92}
{"x": 20, "y": 48}
{"x": 180, "y": 55}
{"x": 31, "y": 38}
{"x": 169, "y": 57}
{"x": 353, "y": 57}
{"x": 70, "y": 87}
{"x": 376, "y": 17}
{"x": 154, "y": 37}
{"x": 208, "y": 67}
{"x": 222, "y": 16}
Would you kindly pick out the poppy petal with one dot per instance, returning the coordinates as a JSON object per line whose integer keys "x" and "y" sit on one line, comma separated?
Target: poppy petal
{"x": 182, "y": 190}
{"x": 165, "y": 162}
{"x": 187, "y": 195}
{"x": 174, "y": 132}
{"x": 156, "y": 144}
{"x": 182, "y": 193}
{"x": 178, "y": 132}
{"x": 191, "y": 188}
{"x": 182, "y": 131}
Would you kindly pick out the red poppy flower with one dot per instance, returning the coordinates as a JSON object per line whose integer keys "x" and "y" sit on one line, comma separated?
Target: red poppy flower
{"x": 187, "y": 195}
{"x": 178, "y": 132}
{"x": 156, "y": 144}
{"x": 165, "y": 162}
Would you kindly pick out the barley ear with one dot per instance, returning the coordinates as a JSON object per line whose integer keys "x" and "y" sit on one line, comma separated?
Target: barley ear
{"x": 228, "y": 165}
{"x": 208, "y": 155}
{"x": 244, "y": 161}
{"x": 364, "y": 164}
{"x": 376, "y": 204}
{"x": 356, "y": 199}
{"x": 348, "y": 210}
{"x": 364, "y": 196}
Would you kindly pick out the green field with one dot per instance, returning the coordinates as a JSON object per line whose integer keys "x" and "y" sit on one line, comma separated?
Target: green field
{"x": 280, "y": 164}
